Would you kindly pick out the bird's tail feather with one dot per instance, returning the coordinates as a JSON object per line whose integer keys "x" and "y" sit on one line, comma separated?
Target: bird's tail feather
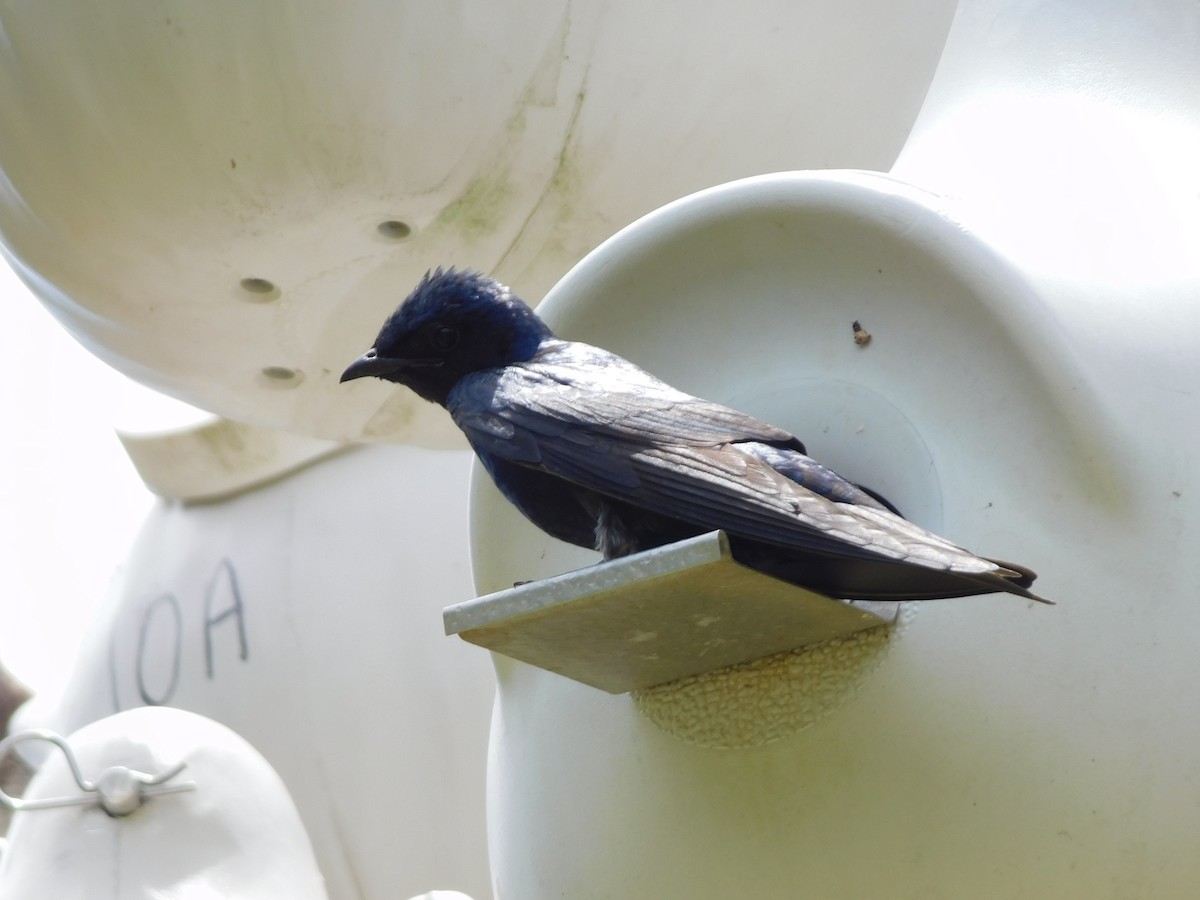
{"x": 1019, "y": 577}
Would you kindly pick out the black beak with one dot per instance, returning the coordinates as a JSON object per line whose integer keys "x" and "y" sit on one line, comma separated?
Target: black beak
{"x": 371, "y": 363}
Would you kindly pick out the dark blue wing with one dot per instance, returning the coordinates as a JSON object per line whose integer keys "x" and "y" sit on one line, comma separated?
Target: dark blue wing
{"x": 599, "y": 422}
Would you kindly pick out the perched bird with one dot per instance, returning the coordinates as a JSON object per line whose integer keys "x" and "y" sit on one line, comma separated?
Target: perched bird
{"x": 597, "y": 452}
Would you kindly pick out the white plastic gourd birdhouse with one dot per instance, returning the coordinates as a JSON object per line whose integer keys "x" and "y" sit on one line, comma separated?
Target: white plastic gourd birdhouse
{"x": 298, "y": 614}
{"x": 179, "y": 178}
{"x": 1018, "y": 394}
{"x": 171, "y": 805}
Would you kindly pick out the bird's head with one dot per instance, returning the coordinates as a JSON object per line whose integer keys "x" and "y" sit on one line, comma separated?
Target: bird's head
{"x": 452, "y": 324}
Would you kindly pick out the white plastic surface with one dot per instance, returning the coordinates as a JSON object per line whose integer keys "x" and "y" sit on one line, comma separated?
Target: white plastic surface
{"x": 219, "y": 458}
{"x": 196, "y": 190}
{"x": 236, "y": 835}
{"x": 306, "y": 616}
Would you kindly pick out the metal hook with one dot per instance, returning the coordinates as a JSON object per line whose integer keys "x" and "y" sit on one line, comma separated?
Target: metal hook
{"x": 119, "y": 790}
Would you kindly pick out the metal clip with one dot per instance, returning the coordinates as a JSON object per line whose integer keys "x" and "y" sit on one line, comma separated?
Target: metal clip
{"x": 119, "y": 790}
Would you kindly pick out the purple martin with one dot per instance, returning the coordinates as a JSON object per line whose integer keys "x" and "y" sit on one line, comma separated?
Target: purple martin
{"x": 598, "y": 452}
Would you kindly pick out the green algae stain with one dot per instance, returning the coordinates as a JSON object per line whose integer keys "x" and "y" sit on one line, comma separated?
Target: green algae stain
{"x": 479, "y": 209}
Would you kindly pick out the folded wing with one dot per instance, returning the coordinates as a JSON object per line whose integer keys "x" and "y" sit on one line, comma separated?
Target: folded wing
{"x": 594, "y": 419}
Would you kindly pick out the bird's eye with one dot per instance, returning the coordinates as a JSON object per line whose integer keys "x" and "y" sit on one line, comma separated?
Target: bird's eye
{"x": 444, "y": 338}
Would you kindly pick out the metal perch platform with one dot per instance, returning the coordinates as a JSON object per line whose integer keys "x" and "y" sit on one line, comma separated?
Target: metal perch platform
{"x": 656, "y": 616}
